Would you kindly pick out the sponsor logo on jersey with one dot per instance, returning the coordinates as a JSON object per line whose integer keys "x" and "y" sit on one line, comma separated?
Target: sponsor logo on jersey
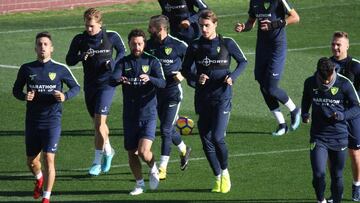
{"x": 326, "y": 101}
{"x": 145, "y": 68}
{"x": 168, "y": 50}
{"x": 92, "y": 52}
{"x": 42, "y": 88}
{"x": 52, "y": 75}
{"x": 166, "y": 61}
{"x": 207, "y": 62}
{"x": 334, "y": 90}
{"x": 168, "y": 7}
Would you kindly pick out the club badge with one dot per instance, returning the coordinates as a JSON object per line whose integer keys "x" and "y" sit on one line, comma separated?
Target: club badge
{"x": 52, "y": 75}
{"x": 145, "y": 68}
{"x": 168, "y": 50}
{"x": 334, "y": 90}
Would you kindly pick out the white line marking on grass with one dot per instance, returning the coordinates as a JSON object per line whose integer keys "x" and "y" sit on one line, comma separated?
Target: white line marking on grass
{"x": 204, "y": 158}
{"x": 247, "y": 53}
{"x": 59, "y": 171}
{"x": 145, "y": 22}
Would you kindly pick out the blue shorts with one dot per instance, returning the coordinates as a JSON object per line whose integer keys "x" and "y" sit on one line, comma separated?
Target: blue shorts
{"x": 354, "y": 133}
{"x": 270, "y": 61}
{"x": 98, "y": 100}
{"x": 41, "y": 139}
{"x": 136, "y": 130}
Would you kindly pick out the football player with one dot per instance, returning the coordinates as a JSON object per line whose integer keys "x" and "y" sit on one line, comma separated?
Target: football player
{"x": 44, "y": 96}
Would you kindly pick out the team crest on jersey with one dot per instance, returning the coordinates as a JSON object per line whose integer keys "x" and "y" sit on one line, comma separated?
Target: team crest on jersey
{"x": 312, "y": 145}
{"x": 218, "y": 49}
{"x": 168, "y": 50}
{"x": 52, "y": 75}
{"x": 334, "y": 90}
{"x": 145, "y": 68}
{"x": 267, "y": 5}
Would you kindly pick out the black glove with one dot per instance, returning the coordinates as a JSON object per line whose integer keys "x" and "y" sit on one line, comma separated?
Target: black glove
{"x": 277, "y": 24}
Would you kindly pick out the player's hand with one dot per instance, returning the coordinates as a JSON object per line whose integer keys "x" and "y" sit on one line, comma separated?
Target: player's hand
{"x": 305, "y": 117}
{"x": 239, "y": 27}
{"x": 124, "y": 80}
{"x": 59, "y": 96}
{"x": 185, "y": 24}
{"x": 265, "y": 25}
{"x": 338, "y": 116}
{"x": 30, "y": 95}
{"x": 178, "y": 77}
{"x": 228, "y": 80}
{"x": 202, "y": 79}
{"x": 144, "y": 78}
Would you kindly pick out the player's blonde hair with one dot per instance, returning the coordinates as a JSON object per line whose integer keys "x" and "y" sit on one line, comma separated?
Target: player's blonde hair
{"x": 208, "y": 15}
{"x": 93, "y": 13}
{"x": 340, "y": 34}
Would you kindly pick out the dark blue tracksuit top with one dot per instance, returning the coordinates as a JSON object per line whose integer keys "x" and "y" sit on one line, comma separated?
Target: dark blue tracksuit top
{"x": 44, "y": 111}
{"x": 170, "y": 53}
{"x": 179, "y": 10}
{"x": 139, "y": 100}
{"x": 325, "y": 103}
{"x": 96, "y": 70}
{"x": 350, "y": 68}
{"x": 213, "y": 57}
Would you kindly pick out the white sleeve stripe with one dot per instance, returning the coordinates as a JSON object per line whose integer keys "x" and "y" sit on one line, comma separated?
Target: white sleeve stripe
{"x": 357, "y": 96}
{"x": 355, "y": 60}
{"x": 177, "y": 39}
{"x": 65, "y": 66}
{"x": 122, "y": 42}
{"x": 203, "y": 4}
{"x": 287, "y": 6}
{"x": 237, "y": 47}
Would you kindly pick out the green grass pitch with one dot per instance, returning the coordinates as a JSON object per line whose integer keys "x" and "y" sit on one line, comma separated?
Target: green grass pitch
{"x": 263, "y": 168}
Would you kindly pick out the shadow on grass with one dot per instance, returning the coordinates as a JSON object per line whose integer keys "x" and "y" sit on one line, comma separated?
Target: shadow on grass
{"x": 119, "y": 132}
{"x": 191, "y": 201}
{"x": 85, "y": 132}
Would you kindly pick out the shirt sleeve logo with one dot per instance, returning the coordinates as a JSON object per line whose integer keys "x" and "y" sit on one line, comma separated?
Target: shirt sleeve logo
{"x": 168, "y": 50}
{"x": 52, "y": 75}
{"x": 334, "y": 90}
{"x": 145, "y": 68}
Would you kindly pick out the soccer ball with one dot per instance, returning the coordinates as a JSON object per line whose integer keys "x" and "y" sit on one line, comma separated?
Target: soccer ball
{"x": 184, "y": 125}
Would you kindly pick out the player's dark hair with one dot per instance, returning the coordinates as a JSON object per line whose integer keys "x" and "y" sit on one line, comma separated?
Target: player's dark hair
{"x": 325, "y": 67}
{"x": 43, "y": 34}
{"x": 136, "y": 33}
{"x": 93, "y": 13}
{"x": 340, "y": 34}
{"x": 160, "y": 21}
{"x": 208, "y": 15}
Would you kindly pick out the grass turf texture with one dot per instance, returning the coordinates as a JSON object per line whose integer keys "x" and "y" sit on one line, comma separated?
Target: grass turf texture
{"x": 262, "y": 168}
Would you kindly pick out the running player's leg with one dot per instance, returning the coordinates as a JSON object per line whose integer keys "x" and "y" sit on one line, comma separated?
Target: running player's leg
{"x": 50, "y": 138}
{"x": 318, "y": 157}
{"x": 219, "y": 125}
{"x": 337, "y": 162}
{"x": 147, "y": 136}
{"x": 33, "y": 153}
{"x": 102, "y": 141}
